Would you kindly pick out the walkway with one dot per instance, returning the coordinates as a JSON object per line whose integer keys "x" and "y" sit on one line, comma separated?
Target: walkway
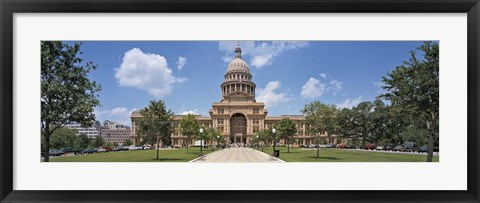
{"x": 237, "y": 154}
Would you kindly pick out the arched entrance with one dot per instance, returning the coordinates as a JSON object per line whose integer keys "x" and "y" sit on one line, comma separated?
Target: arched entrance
{"x": 238, "y": 128}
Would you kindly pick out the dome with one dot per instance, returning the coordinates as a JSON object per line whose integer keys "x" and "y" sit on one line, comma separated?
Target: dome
{"x": 238, "y": 65}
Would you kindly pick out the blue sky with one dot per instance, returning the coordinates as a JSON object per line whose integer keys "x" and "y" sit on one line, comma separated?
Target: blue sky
{"x": 187, "y": 74}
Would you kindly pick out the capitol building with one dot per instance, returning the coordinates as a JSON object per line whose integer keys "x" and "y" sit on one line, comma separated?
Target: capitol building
{"x": 238, "y": 116}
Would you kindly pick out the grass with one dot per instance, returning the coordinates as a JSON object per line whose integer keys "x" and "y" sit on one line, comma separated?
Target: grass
{"x": 342, "y": 155}
{"x": 169, "y": 155}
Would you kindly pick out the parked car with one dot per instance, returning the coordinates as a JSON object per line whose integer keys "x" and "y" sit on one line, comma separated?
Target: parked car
{"x": 312, "y": 146}
{"x": 388, "y": 147}
{"x": 55, "y": 152}
{"x": 146, "y": 147}
{"x": 70, "y": 150}
{"x": 423, "y": 149}
{"x": 410, "y": 147}
{"x": 329, "y": 146}
{"x": 117, "y": 149}
{"x": 133, "y": 147}
{"x": 379, "y": 148}
{"x": 89, "y": 151}
{"x": 344, "y": 146}
{"x": 370, "y": 146}
{"x": 398, "y": 148}
{"x": 108, "y": 149}
{"x": 99, "y": 150}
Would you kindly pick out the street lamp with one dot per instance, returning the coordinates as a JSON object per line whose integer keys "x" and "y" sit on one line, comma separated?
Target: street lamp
{"x": 201, "y": 141}
{"x": 273, "y": 135}
{"x": 256, "y": 146}
{"x": 218, "y": 139}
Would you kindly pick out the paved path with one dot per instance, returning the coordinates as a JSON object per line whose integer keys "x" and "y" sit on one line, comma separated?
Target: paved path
{"x": 239, "y": 155}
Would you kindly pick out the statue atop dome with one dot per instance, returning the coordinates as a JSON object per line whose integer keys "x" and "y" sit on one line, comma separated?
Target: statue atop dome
{"x": 238, "y": 51}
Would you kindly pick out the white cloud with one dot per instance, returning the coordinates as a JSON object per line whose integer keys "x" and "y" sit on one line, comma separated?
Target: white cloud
{"x": 181, "y": 62}
{"x": 146, "y": 71}
{"x": 261, "y": 53}
{"x": 269, "y": 96}
{"x": 336, "y": 86}
{"x": 378, "y": 84}
{"x": 118, "y": 114}
{"x": 194, "y": 112}
{"x": 349, "y": 103}
{"x": 312, "y": 88}
{"x": 315, "y": 87}
{"x": 118, "y": 111}
{"x": 259, "y": 61}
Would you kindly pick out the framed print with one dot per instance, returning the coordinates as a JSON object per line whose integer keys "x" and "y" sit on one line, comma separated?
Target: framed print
{"x": 201, "y": 101}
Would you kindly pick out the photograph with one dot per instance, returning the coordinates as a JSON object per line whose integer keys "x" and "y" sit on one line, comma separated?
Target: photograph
{"x": 239, "y": 101}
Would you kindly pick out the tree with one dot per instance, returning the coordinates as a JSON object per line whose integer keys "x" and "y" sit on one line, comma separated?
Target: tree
{"x": 317, "y": 142}
{"x": 211, "y": 134}
{"x": 67, "y": 94}
{"x": 189, "y": 127}
{"x": 109, "y": 144}
{"x": 83, "y": 142}
{"x": 62, "y": 138}
{"x": 286, "y": 130}
{"x": 362, "y": 114}
{"x": 98, "y": 141}
{"x": 127, "y": 142}
{"x": 348, "y": 125}
{"x": 356, "y": 122}
{"x": 155, "y": 125}
{"x": 379, "y": 121}
{"x": 414, "y": 88}
{"x": 321, "y": 118}
{"x": 265, "y": 137}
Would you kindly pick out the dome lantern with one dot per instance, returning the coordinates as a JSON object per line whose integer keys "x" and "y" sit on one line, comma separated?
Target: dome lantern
{"x": 238, "y": 51}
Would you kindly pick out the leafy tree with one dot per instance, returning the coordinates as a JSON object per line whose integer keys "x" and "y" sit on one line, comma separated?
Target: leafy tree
{"x": 67, "y": 94}
{"x": 127, "y": 142}
{"x": 109, "y": 144}
{"x": 83, "y": 142}
{"x": 317, "y": 142}
{"x": 286, "y": 130}
{"x": 211, "y": 134}
{"x": 63, "y": 138}
{"x": 155, "y": 125}
{"x": 379, "y": 119}
{"x": 189, "y": 127}
{"x": 362, "y": 113}
{"x": 414, "y": 88}
{"x": 415, "y": 134}
{"x": 321, "y": 118}
{"x": 348, "y": 125}
{"x": 264, "y": 136}
{"x": 98, "y": 141}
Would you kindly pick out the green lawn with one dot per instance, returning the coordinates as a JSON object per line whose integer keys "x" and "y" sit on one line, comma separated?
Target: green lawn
{"x": 341, "y": 155}
{"x": 170, "y": 155}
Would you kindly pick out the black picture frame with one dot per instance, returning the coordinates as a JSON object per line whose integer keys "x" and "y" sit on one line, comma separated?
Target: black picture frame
{"x": 10, "y": 7}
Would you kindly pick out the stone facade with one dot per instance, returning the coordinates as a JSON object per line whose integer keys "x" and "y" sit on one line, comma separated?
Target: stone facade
{"x": 238, "y": 116}
{"x": 117, "y": 136}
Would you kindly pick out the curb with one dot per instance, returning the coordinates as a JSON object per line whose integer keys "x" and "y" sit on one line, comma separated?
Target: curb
{"x": 204, "y": 156}
{"x": 277, "y": 159}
